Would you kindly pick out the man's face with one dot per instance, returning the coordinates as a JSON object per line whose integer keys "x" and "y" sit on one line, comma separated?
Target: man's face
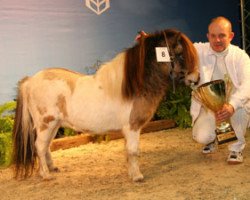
{"x": 219, "y": 35}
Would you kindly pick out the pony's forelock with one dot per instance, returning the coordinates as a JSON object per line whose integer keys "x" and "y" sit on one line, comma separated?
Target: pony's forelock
{"x": 189, "y": 53}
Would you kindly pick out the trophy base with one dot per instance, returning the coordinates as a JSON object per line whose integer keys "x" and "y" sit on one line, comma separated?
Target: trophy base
{"x": 224, "y": 137}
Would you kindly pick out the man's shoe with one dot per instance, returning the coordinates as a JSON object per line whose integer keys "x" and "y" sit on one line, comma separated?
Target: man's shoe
{"x": 235, "y": 158}
{"x": 209, "y": 148}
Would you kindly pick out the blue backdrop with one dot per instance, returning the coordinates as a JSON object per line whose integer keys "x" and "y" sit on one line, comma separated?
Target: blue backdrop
{"x": 37, "y": 34}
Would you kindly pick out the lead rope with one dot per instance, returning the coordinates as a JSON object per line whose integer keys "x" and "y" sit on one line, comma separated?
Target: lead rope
{"x": 171, "y": 60}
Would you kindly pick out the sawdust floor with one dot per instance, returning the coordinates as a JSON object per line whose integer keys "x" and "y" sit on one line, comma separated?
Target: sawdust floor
{"x": 170, "y": 160}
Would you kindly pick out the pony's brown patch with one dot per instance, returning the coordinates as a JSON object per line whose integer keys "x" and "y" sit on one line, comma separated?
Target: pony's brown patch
{"x": 61, "y": 104}
{"x": 43, "y": 127}
{"x": 48, "y": 119}
{"x": 142, "y": 111}
{"x": 63, "y": 74}
{"x": 41, "y": 110}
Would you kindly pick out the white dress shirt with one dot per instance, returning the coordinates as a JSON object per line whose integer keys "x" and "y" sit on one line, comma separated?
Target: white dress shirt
{"x": 237, "y": 66}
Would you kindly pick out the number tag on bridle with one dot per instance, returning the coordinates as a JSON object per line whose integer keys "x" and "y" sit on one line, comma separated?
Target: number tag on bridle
{"x": 162, "y": 54}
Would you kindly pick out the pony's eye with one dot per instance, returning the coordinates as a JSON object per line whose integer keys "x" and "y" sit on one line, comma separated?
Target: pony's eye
{"x": 180, "y": 57}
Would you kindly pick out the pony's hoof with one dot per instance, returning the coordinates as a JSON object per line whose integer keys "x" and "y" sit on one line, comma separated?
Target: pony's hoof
{"x": 48, "y": 178}
{"x": 54, "y": 169}
{"x": 135, "y": 175}
{"x": 138, "y": 178}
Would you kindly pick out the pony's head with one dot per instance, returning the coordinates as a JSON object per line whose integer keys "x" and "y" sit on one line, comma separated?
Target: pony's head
{"x": 184, "y": 57}
{"x": 142, "y": 72}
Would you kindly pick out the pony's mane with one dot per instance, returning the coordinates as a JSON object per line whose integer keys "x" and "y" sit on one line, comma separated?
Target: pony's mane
{"x": 133, "y": 70}
{"x": 137, "y": 59}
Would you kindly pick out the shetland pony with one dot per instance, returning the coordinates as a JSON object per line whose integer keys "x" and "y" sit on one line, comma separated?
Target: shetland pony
{"x": 122, "y": 95}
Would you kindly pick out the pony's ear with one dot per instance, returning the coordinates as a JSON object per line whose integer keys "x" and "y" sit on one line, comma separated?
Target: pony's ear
{"x": 178, "y": 37}
{"x": 141, "y": 36}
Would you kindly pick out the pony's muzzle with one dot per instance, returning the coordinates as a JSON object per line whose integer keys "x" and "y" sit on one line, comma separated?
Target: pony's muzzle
{"x": 192, "y": 78}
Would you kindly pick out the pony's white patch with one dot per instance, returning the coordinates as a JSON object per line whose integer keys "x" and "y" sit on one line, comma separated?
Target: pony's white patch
{"x": 95, "y": 103}
{"x": 132, "y": 140}
{"x": 132, "y": 147}
{"x": 101, "y": 105}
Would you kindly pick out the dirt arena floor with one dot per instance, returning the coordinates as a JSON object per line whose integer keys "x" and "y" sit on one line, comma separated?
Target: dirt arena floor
{"x": 170, "y": 160}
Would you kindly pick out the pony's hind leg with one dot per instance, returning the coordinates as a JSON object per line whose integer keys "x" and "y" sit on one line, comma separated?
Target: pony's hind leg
{"x": 49, "y": 160}
{"x": 42, "y": 143}
{"x": 132, "y": 148}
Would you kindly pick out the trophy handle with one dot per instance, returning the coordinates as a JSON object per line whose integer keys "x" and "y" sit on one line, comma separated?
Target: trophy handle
{"x": 196, "y": 95}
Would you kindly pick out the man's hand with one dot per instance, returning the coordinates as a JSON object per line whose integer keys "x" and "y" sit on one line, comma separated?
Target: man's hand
{"x": 225, "y": 113}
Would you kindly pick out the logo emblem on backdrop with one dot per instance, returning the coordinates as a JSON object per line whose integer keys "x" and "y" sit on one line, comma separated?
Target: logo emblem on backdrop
{"x": 98, "y": 6}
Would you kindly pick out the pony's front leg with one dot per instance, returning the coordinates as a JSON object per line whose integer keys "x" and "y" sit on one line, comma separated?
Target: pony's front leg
{"x": 132, "y": 148}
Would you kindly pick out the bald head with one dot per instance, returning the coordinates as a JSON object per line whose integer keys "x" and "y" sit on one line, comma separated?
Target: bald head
{"x": 220, "y": 33}
{"x": 221, "y": 21}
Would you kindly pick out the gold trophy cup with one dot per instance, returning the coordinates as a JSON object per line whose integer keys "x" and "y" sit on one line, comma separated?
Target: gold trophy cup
{"x": 213, "y": 95}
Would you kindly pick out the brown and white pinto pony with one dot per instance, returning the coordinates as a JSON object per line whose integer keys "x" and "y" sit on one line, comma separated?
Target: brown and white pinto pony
{"x": 122, "y": 95}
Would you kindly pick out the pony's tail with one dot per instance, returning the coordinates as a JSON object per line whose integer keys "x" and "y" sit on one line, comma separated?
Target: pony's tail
{"x": 24, "y": 155}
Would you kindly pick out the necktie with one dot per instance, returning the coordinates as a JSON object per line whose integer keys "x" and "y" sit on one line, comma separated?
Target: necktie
{"x": 219, "y": 68}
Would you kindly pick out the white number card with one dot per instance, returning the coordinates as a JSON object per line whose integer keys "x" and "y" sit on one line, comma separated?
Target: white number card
{"x": 162, "y": 54}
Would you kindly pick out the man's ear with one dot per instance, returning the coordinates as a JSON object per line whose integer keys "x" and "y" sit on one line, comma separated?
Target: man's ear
{"x": 231, "y": 35}
{"x": 208, "y": 36}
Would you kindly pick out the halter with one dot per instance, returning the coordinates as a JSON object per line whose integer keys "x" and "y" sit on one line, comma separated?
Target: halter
{"x": 172, "y": 60}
